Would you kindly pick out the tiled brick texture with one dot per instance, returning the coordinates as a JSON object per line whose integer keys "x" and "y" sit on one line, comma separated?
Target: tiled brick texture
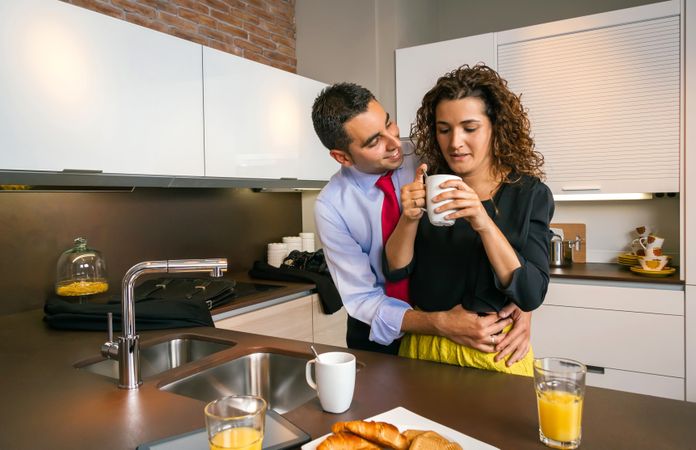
{"x": 260, "y": 30}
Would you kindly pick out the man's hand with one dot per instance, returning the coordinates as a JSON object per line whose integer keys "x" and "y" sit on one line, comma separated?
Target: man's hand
{"x": 516, "y": 342}
{"x": 468, "y": 328}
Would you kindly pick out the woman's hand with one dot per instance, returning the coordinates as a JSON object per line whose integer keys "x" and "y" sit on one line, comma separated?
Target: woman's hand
{"x": 467, "y": 204}
{"x": 413, "y": 196}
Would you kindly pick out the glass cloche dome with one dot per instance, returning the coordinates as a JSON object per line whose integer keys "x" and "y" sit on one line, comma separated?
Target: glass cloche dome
{"x": 81, "y": 271}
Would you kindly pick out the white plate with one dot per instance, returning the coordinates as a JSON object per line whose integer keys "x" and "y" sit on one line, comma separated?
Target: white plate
{"x": 404, "y": 419}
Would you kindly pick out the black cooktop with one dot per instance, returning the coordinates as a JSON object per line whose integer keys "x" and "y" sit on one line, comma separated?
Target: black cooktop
{"x": 241, "y": 289}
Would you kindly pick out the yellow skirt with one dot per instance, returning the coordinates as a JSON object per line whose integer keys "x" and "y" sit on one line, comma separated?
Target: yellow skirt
{"x": 443, "y": 350}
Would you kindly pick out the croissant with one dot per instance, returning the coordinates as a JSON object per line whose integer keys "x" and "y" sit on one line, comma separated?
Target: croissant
{"x": 346, "y": 441}
{"x": 382, "y": 433}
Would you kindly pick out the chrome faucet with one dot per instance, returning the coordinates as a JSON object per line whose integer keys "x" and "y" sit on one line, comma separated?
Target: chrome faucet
{"x": 127, "y": 349}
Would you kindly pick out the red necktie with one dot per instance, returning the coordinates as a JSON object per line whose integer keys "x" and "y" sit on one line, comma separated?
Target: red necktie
{"x": 390, "y": 217}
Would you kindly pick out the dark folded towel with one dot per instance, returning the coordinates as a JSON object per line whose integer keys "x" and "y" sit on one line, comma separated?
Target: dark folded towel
{"x": 212, "y": 292}
{"x": 155, "y": 314}
{"x": 328, "y": 294}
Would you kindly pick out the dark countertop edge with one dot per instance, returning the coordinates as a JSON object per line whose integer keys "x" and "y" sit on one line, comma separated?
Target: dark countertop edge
{"x": 610, "y": 272}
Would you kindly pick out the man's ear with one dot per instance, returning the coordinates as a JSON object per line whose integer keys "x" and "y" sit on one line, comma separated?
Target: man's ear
{"x": 342, "y": 157}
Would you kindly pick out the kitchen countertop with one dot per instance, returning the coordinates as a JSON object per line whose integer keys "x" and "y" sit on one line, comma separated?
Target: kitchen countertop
{"x": 609, "y": 272}
{"x": 47, "y": 403}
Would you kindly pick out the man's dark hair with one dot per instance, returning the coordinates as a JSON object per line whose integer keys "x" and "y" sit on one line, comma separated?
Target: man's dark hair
{"x": 333, "y": 107}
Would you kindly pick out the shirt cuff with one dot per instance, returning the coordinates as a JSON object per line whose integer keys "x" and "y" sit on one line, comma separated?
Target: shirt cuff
{"x": 510, "y": 289}
{"x": 386, "y": 326}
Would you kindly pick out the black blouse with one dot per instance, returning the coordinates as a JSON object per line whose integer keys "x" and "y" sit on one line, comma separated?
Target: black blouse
{"x": 450, "y": 265}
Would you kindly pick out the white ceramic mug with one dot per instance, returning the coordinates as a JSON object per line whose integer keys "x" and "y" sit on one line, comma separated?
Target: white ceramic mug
{"x": 335, "y": 380}
{"x": 433, "y": 189}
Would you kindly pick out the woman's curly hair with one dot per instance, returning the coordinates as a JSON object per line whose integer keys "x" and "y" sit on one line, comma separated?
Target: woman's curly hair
{"x": 512, "y": 146}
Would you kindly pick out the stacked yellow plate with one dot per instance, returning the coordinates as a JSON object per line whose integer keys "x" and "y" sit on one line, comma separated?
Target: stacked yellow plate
{"x": 665, "y": 272}
{"x": 628, "y": 259}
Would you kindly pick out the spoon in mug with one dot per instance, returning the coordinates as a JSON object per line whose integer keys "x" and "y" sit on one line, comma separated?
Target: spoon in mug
{"x": 315, "y": 352}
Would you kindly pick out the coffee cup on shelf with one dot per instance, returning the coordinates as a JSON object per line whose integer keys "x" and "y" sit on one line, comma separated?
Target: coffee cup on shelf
{"x": 652, "y": 252}
{"x": 643, "y": 230}
{"x": 652, "y": 246}
{"x": 654, "y": 241}
{"x": 653, "y": 263}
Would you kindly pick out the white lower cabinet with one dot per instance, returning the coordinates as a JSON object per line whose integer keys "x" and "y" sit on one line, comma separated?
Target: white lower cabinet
{"x": 632, "y": 339}
{"x": 290, "y": 320}
{"x": 329, "y": 329}
{"x": 301, "y": 319}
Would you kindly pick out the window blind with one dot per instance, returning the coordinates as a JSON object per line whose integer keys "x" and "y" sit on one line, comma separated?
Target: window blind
{"x": 603, "y": 104}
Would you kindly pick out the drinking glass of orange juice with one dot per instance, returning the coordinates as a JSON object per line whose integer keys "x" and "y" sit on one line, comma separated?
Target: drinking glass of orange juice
{"x": 235, "y": 422}
{"x": 560, "y": 389}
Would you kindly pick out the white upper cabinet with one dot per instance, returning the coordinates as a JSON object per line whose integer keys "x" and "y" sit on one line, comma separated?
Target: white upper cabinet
{"x": 418, "y": 68}
{"x": 258, "y": 121}
{"x": 81, "y": 90}
{"x": 603, "y": 94}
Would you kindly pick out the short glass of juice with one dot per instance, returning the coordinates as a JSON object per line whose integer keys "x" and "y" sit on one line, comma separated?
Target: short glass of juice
{"x": 235, "y": 422}
{"x": 560, "y": 390}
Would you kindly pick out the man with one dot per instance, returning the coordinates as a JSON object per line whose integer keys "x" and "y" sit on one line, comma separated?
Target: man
{"x": 364, "y": 140}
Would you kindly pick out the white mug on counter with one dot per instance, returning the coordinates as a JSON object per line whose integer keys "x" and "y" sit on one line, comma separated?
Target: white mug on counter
{"x": 433, "y": 189}
{"x": 335, "y": 380}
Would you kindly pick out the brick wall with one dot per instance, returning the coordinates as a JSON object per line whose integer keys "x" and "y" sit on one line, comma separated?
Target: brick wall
{"x": 260, "y": 30}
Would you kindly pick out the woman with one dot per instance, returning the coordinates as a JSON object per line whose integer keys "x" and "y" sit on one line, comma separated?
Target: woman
{"x": 471, "y": 125}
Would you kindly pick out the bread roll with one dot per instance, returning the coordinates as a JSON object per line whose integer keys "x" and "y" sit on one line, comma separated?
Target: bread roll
{"x": 430, "y": 440}
{"x": 410, "y": 435}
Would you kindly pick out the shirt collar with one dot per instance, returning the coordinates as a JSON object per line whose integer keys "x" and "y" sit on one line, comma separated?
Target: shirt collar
{"x": 365, "y": 181}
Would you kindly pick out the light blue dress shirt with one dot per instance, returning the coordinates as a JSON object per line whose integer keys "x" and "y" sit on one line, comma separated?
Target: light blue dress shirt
{"x": 348, "y": 215}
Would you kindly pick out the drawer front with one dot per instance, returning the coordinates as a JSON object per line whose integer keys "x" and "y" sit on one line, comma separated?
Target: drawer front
{"x": 291, "y": 320}
{"x": 640, "y": 383}
{"x": 639, "y": 342}
{"x": 658, "y": 301}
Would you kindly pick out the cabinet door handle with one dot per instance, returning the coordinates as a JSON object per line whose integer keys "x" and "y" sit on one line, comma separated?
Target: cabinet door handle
{"x": 595, "y": 369}
{"x": 82, "y": 171}
{"x": 582, "y": 188}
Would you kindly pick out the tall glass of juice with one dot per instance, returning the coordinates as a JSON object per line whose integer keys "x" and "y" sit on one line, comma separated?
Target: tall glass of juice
{"x": 235, "y": 422}
{"x": 560, "y": 390}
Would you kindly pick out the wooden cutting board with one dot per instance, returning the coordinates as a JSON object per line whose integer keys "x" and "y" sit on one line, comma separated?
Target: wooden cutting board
{"x": 570, "y": 230}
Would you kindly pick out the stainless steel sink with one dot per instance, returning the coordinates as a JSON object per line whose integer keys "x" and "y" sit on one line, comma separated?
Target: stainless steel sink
{"x": 278, "y": 378}
{"x": 163, "y": 356}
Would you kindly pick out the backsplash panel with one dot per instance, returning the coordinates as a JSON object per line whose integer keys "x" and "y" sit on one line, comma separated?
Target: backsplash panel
{"x": 610, "y": 224}
{"x": 129, "y": 227}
